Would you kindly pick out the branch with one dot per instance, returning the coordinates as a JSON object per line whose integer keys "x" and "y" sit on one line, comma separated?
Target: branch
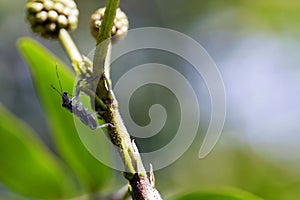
{"x": 71, "y": 49}
{"x": 141, "y": 187}
{"x": 80, "y": 63}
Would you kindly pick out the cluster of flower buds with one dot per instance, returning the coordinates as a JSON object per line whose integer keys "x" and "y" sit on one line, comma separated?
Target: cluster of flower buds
{"x": 120, "y": 26}
{"x": 47, "y": 17}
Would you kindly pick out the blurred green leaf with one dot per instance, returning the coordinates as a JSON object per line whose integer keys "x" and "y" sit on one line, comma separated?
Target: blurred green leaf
{"x": 26, "y": 166}
{"x": 222, "y": 194}
{"x": 246, "y": 15}
{"x": 90, "y": 172}
{"x": 275, "y": 15}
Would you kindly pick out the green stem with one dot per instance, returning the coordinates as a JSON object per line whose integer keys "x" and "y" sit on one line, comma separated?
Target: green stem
{"x": 108, "y": 20}
{"x": 72, "y": 51}
{"x": 103, "y": 39}
{"x": 141, "y": 187}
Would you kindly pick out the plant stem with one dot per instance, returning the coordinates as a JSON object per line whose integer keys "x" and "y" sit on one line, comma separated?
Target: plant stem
{"x": 103, "y": 39}
{"x": 141, "y": 187}
{"x": 72, "y": 51}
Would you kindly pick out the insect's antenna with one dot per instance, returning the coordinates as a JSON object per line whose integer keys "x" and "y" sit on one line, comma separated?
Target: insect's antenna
{"x": 55, "y": 89}
{"x": 58, "y": 79}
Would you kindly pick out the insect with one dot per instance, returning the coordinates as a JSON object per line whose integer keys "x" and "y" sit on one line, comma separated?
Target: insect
{"x": 75, "y": 106}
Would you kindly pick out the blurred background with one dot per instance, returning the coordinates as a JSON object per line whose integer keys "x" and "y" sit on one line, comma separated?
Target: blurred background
{"x": 255, "y": 45}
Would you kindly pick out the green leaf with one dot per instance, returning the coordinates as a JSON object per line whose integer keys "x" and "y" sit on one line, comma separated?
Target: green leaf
{"x": 222, "y": 194}
{"x": 26, "y": 166}
{"x": 91, "y": 174}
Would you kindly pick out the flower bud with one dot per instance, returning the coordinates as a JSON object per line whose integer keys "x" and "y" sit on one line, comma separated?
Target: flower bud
{"x": 120, "y": 26}
{"x": 47, "y": 17}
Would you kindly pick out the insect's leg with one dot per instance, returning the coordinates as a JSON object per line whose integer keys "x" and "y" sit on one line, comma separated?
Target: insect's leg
{"x": 92, "y": 115}
{"x": 79, "y": 87}
{"x": 106, "y": 125}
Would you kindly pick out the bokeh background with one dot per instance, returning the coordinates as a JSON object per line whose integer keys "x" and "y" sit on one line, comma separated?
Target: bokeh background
{"x": 255, "y": 45}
